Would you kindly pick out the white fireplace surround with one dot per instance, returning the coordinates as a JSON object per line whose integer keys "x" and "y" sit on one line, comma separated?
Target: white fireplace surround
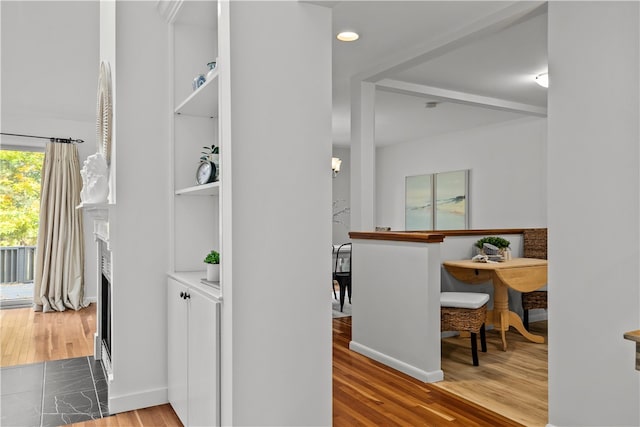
{"x": 99, "y": 214}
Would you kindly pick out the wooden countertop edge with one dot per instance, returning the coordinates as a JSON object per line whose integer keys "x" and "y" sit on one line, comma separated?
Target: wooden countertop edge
{"x": 633, "y": 335}
{"x": 398, "y": 236}
{"x": 480, "y": 232}
{"x": 425, "y": 236}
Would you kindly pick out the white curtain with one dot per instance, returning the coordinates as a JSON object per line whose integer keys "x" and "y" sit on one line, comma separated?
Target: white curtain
{"x": 59, "y": 275}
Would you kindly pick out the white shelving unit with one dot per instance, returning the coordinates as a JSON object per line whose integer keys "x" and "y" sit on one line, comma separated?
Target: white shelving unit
{"x": 196, "y": 220}
{"x": 211, "y": 189}
{"x": 193, "y": 378}
{"x": 203, "y": 102}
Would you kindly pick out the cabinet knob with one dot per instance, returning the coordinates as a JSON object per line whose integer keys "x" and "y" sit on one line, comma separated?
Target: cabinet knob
{"x": 187, "y": 296}
{"x": 181, "y": 294}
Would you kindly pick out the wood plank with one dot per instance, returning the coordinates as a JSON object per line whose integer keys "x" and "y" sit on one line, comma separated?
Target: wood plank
{"x": 366, "y": 392}
{"x": 27, "y": 336}
{"x": 507, "y": 389}
{"x": 632, "y": 335}
{"x": 429, "y": 237}
{"x": 511, "y": 383}
{"x": 525, "y": 279}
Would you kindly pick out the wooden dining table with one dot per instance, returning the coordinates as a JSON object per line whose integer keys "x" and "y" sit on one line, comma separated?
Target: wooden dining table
{"x": 521, "y": 274}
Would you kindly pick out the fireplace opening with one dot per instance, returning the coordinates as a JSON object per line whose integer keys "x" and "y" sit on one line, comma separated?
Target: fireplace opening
{"x": 105, "y": 304}
{"x": 106, "y": 316}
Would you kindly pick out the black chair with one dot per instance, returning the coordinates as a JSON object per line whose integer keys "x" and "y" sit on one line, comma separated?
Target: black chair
{"x": 334, "y": 282}
{"x": 343, "y": 277}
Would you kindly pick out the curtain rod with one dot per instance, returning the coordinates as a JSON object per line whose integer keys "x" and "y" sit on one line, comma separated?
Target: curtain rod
{"x": 51, "y": 139}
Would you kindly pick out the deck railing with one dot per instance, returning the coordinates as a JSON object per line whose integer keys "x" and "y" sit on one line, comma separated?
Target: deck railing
{"x": 17, "y": 264}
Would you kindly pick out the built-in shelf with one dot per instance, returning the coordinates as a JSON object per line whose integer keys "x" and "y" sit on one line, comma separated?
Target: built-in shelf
{"x": 203, "y": 102}
{"x": 194, "y": 280}
{"x": 211, "y": 189}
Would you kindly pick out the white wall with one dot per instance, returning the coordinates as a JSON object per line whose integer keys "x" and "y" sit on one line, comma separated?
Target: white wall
{"x": 402, "y": 332}
{"x": 139, "y": 239}
{"x": 49, "y": 83}
{"x": 276, "y": 314}
{"x": 593, "y": 215}
{"x": 507, "y": 179}
{"x": 342, "y": 196}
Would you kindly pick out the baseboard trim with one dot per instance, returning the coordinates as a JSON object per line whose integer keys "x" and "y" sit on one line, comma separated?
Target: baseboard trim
{"x": 425, "y": 376}
{"x": 132, "y": 401}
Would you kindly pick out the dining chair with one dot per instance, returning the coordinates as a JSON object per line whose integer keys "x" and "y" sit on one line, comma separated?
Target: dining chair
{"x": 334, "y": 282}
{"x": 534, "y": 246}
{"x": 342, "y": 272}
{"x": 465, "y": 311}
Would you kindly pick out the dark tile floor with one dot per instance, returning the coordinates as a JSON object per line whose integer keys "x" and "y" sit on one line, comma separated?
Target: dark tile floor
{"x": 53, "y": 393}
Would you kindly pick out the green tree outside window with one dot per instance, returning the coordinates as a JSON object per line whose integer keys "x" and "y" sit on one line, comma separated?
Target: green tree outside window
{"x": 20, "y": 175}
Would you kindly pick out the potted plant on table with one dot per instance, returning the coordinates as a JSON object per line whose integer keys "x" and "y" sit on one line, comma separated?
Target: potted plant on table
{"x": 213, "y": 266}
{"x": 501, "y": 245}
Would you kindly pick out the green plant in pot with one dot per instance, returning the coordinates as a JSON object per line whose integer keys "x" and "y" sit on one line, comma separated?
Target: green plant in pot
{"x": 212, "y": 260}
{"x": 498, "y": 242}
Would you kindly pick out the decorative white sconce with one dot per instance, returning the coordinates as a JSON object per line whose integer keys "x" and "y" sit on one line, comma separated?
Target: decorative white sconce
{"x": 335, "y": 165}
{"x": 543, "y": 80}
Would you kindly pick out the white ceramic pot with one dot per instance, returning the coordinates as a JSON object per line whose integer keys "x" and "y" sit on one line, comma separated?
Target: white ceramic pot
{"x": 213, "y": 272}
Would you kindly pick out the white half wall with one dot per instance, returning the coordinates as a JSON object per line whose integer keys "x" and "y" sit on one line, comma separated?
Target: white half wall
{"x": 507, "y": 179}
{"x": 400, "y": 329}
{"x": 594, "y": 198}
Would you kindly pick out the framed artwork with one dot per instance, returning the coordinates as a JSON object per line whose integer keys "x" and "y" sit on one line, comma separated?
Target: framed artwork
{"x": 418, "y": 213}
{"x": 437, "y": 201}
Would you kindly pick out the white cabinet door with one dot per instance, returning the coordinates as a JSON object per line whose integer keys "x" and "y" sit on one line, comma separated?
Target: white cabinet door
{"x": 204, "y": 386}
{"x": 177, "y": 312}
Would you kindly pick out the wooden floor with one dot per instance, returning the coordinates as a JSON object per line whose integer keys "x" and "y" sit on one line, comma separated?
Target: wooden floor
{"x": 368, "y": 393}
{"x": 364, "y": 392}
{"x": 27, "y": 336}
{"x": 156, "y": 416}
{"x": 513, "y": 382}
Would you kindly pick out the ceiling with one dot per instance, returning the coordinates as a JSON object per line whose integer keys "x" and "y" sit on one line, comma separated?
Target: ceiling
{"x": 496, "y": 65}
{"x": 52, "y": 71}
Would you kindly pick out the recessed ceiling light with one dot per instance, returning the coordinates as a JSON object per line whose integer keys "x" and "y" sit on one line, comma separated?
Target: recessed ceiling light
{"x": 348, "y": 36}
{"x": 543, "y": 79}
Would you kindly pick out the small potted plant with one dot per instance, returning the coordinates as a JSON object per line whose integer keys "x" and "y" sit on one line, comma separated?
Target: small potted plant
{"x": 498, "y": 242}
{"x": 213, "y": 266}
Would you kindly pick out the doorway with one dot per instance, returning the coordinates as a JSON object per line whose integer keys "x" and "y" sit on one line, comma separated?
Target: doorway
{"x": 20, "y": 174}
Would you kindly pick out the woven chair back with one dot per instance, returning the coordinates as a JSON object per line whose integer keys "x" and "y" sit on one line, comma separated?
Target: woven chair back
{"x": 535, "y": 243}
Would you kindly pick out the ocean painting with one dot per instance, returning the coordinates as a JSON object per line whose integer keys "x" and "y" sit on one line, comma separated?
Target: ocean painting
{"x": 418, "y": 213}
{"x": 451, "y": 200}
{"x": 437, "y": 201}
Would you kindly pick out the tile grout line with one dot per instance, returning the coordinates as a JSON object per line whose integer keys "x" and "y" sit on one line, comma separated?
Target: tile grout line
{"x": 95, "y": 389}
{"x": 44, "y": 383}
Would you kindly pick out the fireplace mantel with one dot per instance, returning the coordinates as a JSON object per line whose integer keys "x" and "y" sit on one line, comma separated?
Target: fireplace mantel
{"x": 99, "y": 212}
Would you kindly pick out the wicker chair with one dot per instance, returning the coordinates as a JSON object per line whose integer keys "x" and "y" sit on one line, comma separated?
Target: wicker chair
{"x": 535, "y": 246}
{"x": 465, "y": 311}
